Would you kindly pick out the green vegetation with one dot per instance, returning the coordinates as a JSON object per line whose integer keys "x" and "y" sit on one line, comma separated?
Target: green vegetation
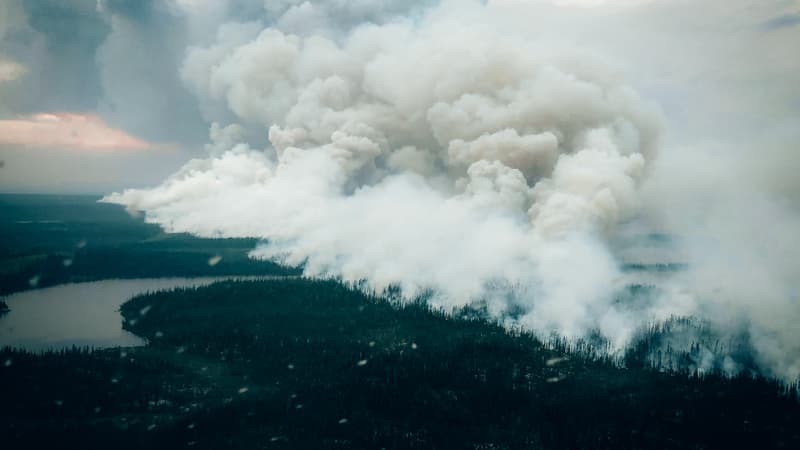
{"x": 313, "y": 364}
{"x": 297, "y": 363}
{"x": 49, "y": 240}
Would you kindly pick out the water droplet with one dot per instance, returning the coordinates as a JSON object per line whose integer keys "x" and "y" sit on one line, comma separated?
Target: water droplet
{"x": 342, "y": 421}
{"x": 145, "y": 310}
{"x": 8, "y": 363}
{"x": 414, "y": 345}
{"x": 362, "y": 363}
{"x": 553, "y": 361}
{"x": 151, "y": 427}
{"x": 214, "y": 260}
{"x": 67, "y": 262}
{"x": 159, "y": 334}
{"x": 34, "y": 281}
{"x": 372, "y": 343}
{"x": 242, "y": 390}
{"x": 290, "y": 367}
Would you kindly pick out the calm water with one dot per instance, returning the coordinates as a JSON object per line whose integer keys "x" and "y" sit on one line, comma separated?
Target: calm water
{"x": 79, "y": 314}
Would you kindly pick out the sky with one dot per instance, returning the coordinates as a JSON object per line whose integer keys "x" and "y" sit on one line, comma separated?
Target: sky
{"x": 506, "y": 154}
{"x": 111, "y": 71}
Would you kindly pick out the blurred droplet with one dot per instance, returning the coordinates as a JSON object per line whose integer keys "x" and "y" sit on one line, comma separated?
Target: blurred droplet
{"x": 8, "y": 363}
{"x": 145, "y": 310}
{"x": 180, "y": 350}
{"x": 81, "y": 243}
{"x": 151, "y": 427}
{"x": 190, "y": 426}
{"x": 553, "y": 361}
{"x": 34, "y": 281}
{"x": 362, "y": 363}
{"x": 214, "y": 260}
{"x": 59, "y": 402}
{"x": 114, "y": 381}
{"x": 67, "y": 262}
{"x": 242, "y": 390}
{"x": 290, "y": 367}
{"x": 414, "y": 345}
{"x": 159, "y": 334}
{"x": 342, "y": 421}
{"x": 372, "y": 343}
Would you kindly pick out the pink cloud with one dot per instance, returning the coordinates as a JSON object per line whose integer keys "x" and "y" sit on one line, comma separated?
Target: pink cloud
{"x": 71, "y": 131}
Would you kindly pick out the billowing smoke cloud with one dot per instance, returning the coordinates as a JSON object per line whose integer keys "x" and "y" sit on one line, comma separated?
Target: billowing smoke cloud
{"x": 457, "y": 152}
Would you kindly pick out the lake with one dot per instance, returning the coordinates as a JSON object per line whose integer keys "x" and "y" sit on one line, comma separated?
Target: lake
{"x": 82, "y": 314}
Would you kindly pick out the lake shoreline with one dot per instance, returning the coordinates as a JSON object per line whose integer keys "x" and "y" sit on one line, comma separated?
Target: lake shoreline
{"x": 40, "y": 320}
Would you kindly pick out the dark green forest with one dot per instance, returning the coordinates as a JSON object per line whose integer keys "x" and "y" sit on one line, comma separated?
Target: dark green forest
{"x": 49, "y": 240}
{"x": 313, "y": 364}
{"x": 298, "y": 363}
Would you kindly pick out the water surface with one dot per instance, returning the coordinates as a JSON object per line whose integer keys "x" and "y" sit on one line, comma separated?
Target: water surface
{"x": 82, "y": 314}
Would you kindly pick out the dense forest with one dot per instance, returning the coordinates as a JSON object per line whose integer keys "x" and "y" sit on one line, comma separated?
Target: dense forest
{"x": 51, "y": 240}
{"x": 313, "y": 364}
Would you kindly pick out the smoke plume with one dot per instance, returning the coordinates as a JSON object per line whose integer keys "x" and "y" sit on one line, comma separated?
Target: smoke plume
{"x": 450, "y": 150}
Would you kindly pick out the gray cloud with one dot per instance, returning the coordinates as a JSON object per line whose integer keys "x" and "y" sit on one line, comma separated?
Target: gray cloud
{"x": 138, "y": 68}
{"x": 121, "y": 58}
{"x": 783, "y": 21}
{"x": 117, "y": 57}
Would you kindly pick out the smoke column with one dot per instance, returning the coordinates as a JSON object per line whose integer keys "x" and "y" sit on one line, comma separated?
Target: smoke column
{"x": 436, "y": 151}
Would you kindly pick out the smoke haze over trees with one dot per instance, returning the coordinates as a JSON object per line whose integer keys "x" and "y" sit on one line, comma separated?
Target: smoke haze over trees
{"x": 509, "y": 155}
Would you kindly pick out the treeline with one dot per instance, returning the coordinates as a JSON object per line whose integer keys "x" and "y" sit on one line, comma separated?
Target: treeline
{"x": 688, "y": 345}
{"x": 136, "y": 261}
{"x": 49, "y": 240}
{"x": 313, "y": 364}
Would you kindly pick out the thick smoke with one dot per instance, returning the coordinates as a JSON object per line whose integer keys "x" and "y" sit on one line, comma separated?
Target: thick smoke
{"x": 444, "y": 152}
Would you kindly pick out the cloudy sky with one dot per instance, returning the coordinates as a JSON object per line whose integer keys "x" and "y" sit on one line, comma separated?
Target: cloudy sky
{"x": 96, "y": 95}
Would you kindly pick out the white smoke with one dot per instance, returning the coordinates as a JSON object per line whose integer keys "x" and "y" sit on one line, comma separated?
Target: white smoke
{"x": 444, "y": 152}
